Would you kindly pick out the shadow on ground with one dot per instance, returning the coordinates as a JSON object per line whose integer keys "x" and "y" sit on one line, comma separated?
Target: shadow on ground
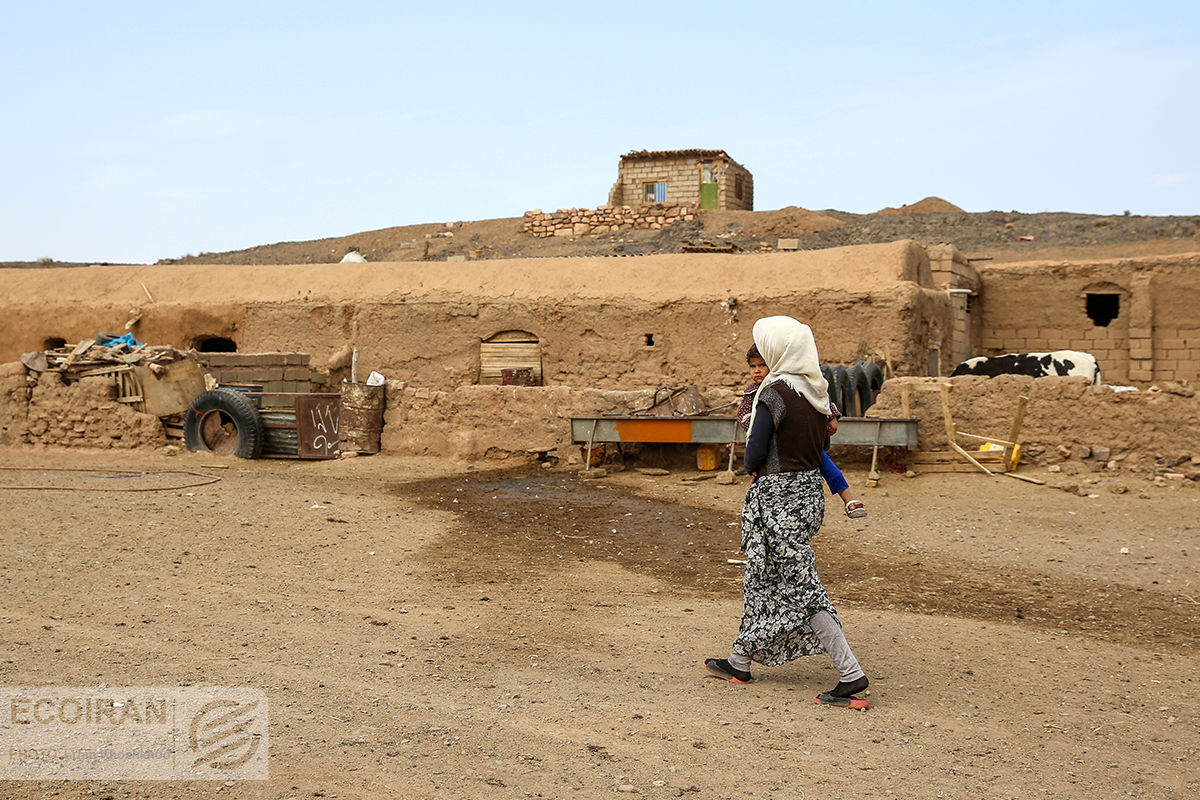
{"x": 515, "y": 522}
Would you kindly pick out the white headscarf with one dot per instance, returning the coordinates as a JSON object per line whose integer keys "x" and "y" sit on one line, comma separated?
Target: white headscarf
{"x": 788, "y": 347}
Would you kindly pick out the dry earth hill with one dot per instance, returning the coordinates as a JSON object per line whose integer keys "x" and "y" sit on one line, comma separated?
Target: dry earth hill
{"x": 991, "y": 235}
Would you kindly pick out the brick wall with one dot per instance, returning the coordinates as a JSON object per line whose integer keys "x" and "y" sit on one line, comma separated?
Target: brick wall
{"x": 605, "y": 219}
{"x": 274, "y": 372}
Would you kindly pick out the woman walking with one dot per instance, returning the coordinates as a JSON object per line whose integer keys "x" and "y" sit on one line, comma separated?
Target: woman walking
{"x": 787, "y": 612}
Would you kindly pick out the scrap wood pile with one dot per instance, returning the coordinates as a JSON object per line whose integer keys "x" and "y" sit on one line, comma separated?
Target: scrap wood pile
{"x": 89, "y": 359}
{"x": 709, "y": 247}
{"x": 160, "y": 380}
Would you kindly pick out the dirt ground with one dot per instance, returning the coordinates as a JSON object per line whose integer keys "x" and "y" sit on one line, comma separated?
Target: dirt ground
{"x": 427, "y": 629}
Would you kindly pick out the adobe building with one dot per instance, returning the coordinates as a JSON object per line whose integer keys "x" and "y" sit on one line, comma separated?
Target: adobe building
{"x": 1135, "y": 315}
{"x": 706, "y": 179}
{"x": 593, "y": 335}
{"x": 614, "y": 324}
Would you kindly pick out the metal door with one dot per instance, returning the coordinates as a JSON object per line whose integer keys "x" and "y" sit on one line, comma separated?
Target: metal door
{"x": 708, "y": 186}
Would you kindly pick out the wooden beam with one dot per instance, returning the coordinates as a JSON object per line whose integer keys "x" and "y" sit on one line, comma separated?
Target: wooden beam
{"x": 970, "y": 458}
{"x": 1015, "y": 434}
{"x": 992, "y": 439}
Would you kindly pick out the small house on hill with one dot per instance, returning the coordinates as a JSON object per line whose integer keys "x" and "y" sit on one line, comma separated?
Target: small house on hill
{"x": 703, "y": 178}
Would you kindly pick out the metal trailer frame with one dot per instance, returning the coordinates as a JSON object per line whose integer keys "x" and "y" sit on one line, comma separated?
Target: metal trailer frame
{"x": 864, "y": 431}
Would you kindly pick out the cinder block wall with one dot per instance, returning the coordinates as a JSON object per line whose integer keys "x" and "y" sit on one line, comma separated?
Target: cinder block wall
{"x": 274, "y": 372}
{"x": 728, "y": 196}
{"x": 682, "y": 176}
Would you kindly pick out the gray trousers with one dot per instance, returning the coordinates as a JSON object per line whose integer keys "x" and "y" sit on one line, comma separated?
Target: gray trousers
{"x": 834, "y": 642}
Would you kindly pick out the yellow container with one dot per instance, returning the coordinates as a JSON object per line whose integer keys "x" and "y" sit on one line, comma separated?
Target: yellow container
{"x": 707, "y": 456}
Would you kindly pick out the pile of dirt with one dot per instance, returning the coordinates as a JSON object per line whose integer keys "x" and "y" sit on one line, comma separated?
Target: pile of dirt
{"x": 930, "y": 205}
{"x": 789, "y": 222}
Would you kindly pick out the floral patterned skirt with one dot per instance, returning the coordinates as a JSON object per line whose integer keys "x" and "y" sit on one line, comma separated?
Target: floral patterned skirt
{"x": 781, "y": 588}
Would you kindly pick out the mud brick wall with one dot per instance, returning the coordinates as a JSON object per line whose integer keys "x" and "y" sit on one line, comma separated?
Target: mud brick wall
{"x": 496, "y": 421}
{"x": 42, "y": 409}
{"x": 604, "y": 219}
{"x": 1155, "y": 337}
{"x": 1066, "y": 419}
{"x": 274, "y": 372}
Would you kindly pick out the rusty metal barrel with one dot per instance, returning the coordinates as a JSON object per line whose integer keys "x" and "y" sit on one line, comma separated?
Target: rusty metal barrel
{"x": 362, "y": 417}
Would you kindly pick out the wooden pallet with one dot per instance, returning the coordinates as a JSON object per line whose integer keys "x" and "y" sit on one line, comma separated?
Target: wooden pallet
{"x": 952, "y": 461}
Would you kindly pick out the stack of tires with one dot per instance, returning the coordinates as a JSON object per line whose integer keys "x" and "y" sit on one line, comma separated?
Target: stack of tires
{"x": 853, "y": 389}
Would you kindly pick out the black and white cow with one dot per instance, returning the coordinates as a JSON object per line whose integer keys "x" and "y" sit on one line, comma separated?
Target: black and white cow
{"x": 1037, "y": 365}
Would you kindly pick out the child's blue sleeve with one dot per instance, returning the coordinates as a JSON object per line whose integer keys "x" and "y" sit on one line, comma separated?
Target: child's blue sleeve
{"x": 832, "y": 475}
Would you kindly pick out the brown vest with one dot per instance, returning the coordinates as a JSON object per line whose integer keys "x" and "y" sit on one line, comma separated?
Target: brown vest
{"x": 799, "y": 431}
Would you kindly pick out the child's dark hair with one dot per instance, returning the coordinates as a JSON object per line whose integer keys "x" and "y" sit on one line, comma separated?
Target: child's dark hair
{"x": 753, "y": 353}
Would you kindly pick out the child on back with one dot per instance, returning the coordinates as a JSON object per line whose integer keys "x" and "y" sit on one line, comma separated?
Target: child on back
{"x": 855, "y": 508}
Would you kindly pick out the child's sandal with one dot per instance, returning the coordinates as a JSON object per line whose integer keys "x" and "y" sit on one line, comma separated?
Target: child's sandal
{"x": 855, "y": 509}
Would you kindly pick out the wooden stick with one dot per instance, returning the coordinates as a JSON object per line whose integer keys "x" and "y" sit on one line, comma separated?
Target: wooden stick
{"x": 971, "y": 458}
{"x": 79, "y": 350}
{"x": 147, "y": 291}
{"x": 354, "y": 366}
{"x": 1019, "y": 420}
{"x": 733, "y": 444}
{"x": 1015, "y": 434}
{"x": 1025, "y": 478}
{"x": 949, "y": 420}
{"x": 991, "y": 439}
{"x": 591, "y": 438}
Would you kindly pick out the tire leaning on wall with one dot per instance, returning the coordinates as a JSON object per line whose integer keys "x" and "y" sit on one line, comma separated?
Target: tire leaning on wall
{"x": 874, "y": 375}
{"x": 839, "y": 387}
{"x": 858, "y": 392}
{"x": 224, "y": 421}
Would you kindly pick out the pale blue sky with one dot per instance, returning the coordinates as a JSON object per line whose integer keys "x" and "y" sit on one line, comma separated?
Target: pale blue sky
{"x": 135, "y": 131}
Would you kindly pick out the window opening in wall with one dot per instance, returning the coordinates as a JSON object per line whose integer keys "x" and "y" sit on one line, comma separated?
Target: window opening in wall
{"x": 654, "y": 192}
{"x": 53, "y": 343}
{"x": 1103, "y": 308}
{"x": 935, "y": 358}
{"x": 215, "y": 344}
{"x": 649, "y": 339}
{"x": 737, "y": 187}
{"x": 708, "y": 172}
{"x": 511, "y": 358}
